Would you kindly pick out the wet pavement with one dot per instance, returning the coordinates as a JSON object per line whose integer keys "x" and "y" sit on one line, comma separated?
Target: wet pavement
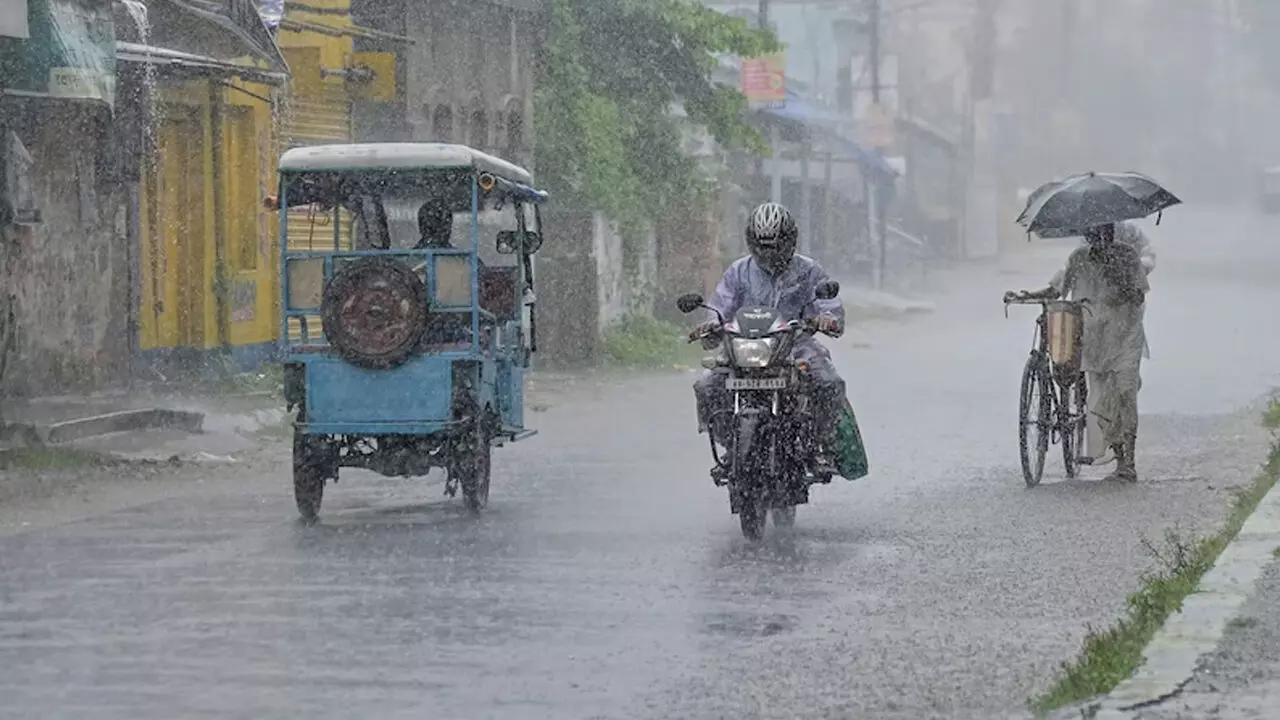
{"x": 608, "y": 580}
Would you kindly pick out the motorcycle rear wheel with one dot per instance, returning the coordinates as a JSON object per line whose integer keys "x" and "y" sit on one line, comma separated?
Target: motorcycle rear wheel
{"x": 784, "y": 517}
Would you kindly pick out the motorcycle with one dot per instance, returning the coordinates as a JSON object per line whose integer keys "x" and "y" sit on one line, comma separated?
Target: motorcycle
{"x": 769, "y": 430}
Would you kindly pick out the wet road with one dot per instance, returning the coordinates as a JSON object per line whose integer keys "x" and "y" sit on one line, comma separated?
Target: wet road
{"x": 608, "y": 579}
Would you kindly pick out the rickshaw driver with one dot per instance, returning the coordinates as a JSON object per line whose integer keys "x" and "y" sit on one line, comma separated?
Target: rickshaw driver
{"x": 435, "y": 230}
{"x": 435, "y": 226}
{"x": 773, "y": 275}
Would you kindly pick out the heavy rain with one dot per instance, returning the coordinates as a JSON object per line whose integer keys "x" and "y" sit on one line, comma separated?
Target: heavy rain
{"x": 348, "y": 353}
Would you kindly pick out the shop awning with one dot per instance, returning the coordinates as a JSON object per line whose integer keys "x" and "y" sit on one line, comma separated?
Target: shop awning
{"x": 801, "y": 110}
{"x": 193, "y": 64}
{"x": 241, "y": 19}
{"x": 222, "y": 31}
{"x": 868, "y": 159}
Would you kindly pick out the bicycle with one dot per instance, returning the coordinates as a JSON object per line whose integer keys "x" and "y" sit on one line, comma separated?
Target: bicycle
{"x": 1053, "y": 396}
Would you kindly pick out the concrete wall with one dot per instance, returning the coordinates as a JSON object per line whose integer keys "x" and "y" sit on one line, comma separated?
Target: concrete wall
{"x": 70, "y": 273}
{"x": 588, "y": 279}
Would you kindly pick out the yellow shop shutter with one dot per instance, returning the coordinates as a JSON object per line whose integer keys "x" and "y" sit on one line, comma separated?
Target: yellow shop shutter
{"x": 318, "y": 109}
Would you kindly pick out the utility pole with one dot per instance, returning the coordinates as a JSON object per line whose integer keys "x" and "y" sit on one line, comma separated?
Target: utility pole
{"x": 775, "y": 139}
{"x": 875, "y": 204}
{"x": 873, "y": 50}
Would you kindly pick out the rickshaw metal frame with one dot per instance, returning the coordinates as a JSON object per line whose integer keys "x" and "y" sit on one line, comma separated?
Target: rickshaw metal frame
{"x": 429, "y": 373}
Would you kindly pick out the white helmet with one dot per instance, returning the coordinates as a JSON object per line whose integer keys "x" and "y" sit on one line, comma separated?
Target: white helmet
{"x": 772, "y": 236}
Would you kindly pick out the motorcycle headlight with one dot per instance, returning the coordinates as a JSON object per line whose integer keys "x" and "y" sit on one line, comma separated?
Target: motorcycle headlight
{"x": 752, "y": 353}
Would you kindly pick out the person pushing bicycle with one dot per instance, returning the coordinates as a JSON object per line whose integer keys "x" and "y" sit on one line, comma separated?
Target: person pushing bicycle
{"x": 1109, "y": 273}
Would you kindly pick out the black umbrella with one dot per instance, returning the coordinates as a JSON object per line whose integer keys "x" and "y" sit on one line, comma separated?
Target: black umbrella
{"x": 1071, "y": 205}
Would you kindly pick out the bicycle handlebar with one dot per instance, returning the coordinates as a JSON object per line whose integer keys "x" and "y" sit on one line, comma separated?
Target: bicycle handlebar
{"x": 1084, "y": 303}
{"x": 1041, "y": 301}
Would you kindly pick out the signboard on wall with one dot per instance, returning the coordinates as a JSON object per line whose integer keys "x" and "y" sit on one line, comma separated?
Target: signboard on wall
{"x": 13, "y": 19}
{"x": 71, "y": 52}
{"x": 764, "y": 81}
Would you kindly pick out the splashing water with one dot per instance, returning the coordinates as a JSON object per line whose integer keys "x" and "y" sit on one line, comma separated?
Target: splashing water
{"x": 141, "y": 20}
{"x": 139, "y": 14}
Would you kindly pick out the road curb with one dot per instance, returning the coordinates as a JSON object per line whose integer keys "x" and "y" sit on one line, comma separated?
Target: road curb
{"x": 124, "y": 421}
{"x": 1173, "y": 656}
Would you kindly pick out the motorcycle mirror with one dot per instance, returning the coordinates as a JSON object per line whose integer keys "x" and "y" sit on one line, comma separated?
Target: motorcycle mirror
{"x": 827, "y": 290}
{"x": 689, "y": 303}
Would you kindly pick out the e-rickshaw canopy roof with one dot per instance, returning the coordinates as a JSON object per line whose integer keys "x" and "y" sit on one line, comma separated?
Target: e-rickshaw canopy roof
{"x": 399, "y": 156}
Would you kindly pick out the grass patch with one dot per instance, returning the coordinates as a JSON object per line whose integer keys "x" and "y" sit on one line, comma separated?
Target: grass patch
{"x": 646, "y": 343}
{"x": 1112, "y": 655}
{"x": 50, "y": 459}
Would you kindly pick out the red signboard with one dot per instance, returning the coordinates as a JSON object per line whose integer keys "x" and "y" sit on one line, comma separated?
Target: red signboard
{"x": 764, "y": 80}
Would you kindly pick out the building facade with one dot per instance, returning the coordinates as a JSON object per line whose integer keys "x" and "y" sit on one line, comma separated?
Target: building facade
{"x": 206, "y": 86}
{"x": 64, "y": 249}
{"x": 466, "y": 71}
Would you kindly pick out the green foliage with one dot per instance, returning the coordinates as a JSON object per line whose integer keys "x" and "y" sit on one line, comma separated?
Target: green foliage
{"x": 56, "y": 458}
{"x": 609, "y": 73}
{"x": 646, "y": 343}
{"x": 1110, "y": 656}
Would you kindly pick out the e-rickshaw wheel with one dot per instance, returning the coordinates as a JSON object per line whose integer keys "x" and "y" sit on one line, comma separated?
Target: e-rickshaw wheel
{"x": 471, "y": 466}
{"x": 310, "y": 471}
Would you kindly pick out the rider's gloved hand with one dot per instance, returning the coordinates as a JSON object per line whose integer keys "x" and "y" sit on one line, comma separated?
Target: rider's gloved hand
{"x": 702, "y": 329}
{"x": 828, "y": 324}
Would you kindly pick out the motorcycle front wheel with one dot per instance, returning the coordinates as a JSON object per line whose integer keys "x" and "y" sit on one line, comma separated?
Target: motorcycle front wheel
{"x": 752, "y": 516}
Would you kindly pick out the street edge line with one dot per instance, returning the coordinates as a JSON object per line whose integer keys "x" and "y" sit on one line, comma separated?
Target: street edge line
{"x": 1172, "y": 658}
{"x": 1219, "y": 578}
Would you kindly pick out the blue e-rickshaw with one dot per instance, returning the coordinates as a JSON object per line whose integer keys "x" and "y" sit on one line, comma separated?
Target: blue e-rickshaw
{"x": 405, "y": 348}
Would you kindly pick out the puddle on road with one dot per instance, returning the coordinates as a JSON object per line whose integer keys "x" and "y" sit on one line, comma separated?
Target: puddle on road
{"x": 748, "y": 624}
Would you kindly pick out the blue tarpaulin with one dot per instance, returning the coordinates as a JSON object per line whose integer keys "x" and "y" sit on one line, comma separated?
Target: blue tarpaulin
{"x": 868, "y": 159}
{"x": 801, "y": 110}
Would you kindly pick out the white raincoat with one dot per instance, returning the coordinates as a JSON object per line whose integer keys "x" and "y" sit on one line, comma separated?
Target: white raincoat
{"x": 1114, "y": 341}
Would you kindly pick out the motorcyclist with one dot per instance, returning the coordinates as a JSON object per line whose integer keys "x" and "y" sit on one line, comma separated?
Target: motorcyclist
{"x": 773, "y": 275}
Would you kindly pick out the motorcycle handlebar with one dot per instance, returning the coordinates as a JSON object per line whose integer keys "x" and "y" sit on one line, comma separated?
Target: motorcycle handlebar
{"x": 808, "y": 326}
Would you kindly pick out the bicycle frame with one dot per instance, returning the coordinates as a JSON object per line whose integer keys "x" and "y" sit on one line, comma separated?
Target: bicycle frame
{"x": 1065, "y": 392}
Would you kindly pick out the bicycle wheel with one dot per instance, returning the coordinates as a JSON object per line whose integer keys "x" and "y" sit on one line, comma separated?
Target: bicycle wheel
{"x": 1035, "y": 418}
{"x": 1072, "y": 426}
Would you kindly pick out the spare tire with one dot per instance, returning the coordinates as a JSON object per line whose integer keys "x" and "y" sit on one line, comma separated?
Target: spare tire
{"x": 374, "y": 312}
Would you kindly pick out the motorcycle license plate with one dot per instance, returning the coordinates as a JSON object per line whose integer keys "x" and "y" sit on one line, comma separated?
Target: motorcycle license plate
{"x": 755, "y": 383}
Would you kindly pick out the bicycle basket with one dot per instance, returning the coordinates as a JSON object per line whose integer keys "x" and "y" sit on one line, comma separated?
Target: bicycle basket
{"x": 1063, "y": 329}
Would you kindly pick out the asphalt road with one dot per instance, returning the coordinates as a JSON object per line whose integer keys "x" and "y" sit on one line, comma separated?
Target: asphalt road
{"x": 608, "y": 580}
